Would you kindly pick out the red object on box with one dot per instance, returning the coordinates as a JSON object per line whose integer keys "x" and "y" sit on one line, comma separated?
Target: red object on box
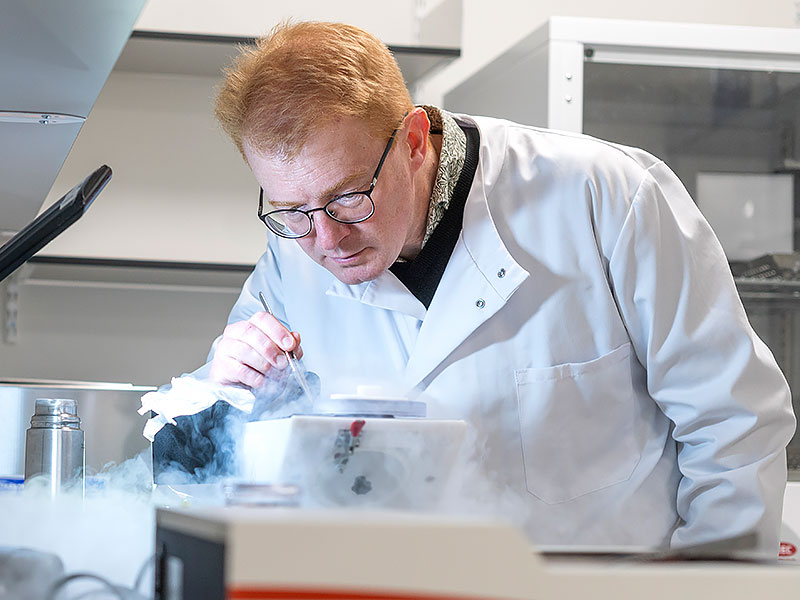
{"x": 356, "y": 427}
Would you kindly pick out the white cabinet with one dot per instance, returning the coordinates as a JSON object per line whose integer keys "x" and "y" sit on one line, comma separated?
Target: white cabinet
{"x": 701, "y": 97}
{"x": 544, "y": 79}
{"x": 179, "y": 192}
{"x": 719, "y": 104}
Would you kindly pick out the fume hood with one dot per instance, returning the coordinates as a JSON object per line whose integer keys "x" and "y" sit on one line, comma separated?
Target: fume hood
{"x": 56, "y": 56}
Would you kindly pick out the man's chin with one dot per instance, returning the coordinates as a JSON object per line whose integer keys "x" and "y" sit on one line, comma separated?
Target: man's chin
{"x": 355, "y": 274}
{"x": 350, "y": 278}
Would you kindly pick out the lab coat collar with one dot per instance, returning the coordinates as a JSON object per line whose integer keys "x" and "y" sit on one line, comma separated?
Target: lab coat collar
{"x": 386, "y": 291}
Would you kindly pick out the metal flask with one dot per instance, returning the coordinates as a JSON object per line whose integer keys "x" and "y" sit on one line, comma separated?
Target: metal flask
{"x": 54, "y": 446}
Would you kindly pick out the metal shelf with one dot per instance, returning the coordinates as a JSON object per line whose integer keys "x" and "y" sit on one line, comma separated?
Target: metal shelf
{"x": 207, "y": 55}
{"x": 768, "y": 290}
{"x": 146, "y": 275}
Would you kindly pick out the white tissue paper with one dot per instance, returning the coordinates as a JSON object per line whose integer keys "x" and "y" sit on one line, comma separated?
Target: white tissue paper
{"x": 188, "y": 396}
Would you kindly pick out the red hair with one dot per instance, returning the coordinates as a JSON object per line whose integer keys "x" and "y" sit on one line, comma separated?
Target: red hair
{"x": 301, "y": 77}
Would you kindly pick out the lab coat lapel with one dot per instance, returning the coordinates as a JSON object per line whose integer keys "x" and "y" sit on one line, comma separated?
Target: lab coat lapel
{"x": 479, "y": 279}
{"x": 468, "y": 302}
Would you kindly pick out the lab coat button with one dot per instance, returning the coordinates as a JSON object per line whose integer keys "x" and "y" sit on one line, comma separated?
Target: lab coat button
{"x": 480, "y": 303}
{"x": 501, "y": 273}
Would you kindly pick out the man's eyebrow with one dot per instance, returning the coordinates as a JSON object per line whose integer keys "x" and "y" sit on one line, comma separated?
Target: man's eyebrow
{"x": 282, "y": 205}
{"x": 337, "y": 187}
{"x": 326, "y": 194}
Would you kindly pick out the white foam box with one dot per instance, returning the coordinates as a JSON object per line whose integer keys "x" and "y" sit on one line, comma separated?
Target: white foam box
{"x": 391, "y": 462}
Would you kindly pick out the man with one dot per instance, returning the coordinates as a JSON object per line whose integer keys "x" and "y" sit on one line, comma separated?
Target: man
{"x": 561, "y": 294}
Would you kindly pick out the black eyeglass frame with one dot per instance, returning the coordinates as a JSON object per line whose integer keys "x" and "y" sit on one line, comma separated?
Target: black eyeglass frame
{"x": 308, "y": 213}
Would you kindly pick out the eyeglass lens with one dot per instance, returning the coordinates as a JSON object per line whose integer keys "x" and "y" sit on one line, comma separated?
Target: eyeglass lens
{"x": 351, "y": 208}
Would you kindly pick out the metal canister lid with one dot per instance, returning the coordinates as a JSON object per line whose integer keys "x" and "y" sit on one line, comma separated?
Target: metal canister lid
{"x": 248, "y": 493}
{"x": 56, "y": 412}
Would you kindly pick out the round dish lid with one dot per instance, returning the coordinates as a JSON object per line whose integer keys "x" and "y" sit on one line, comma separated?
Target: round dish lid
{"x": 369, "y": 404}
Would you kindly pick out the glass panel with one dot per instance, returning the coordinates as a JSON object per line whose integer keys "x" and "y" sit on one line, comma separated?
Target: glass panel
{"x": 697, "y": 119}
{"x": 774, "y": 311}
{"x": 732, "y": 136}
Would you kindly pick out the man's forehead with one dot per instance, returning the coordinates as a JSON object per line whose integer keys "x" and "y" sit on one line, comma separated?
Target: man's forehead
{"x": 340, "y": 145}
{"x": 312, "y": 177}
{"x": 329, "y": 131}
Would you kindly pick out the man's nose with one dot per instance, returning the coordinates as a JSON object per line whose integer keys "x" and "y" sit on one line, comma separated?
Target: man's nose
{"x": 329, "y": 232}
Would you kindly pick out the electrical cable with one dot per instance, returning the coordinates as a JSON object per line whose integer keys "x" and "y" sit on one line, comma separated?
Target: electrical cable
{"x": 63, "y": 581}
{"x": 120, "y": 592}
{"x": 148, "y": 565}
{"x": 102, "y": 593}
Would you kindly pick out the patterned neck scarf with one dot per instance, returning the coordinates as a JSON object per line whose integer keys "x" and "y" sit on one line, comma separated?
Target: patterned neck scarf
{"x": 451, "y": 162}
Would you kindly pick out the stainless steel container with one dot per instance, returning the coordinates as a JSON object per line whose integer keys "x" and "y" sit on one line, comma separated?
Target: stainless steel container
{"x": 108, "y": 414}
{"x": 54, "y": 446}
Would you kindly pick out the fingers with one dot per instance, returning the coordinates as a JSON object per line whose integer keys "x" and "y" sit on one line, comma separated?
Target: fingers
{"x": 298, "y": 351}
{"x": 249, "y": 349}
{"x": 272, "y": 328}
{"x": 229, "y": 371}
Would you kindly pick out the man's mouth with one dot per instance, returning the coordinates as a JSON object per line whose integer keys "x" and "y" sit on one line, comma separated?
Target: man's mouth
{"x": 343, "y": 260}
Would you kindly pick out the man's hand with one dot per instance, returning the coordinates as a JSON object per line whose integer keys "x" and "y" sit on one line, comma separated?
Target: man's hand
{"x": 249, "y": 349}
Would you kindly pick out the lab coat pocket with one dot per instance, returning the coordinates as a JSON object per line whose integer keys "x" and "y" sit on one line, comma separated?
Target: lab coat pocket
{"x": 577, "y": 422}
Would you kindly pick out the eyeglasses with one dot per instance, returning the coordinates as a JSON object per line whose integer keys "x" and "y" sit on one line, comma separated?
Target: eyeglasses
{"x": 349, "y": 208}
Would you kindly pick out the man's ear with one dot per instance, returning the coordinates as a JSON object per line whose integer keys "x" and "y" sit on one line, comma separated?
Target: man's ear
{"x": 418, "y": 131}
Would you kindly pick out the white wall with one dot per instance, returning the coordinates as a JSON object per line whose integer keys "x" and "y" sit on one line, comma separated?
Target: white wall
{"x": 180, "y": 190}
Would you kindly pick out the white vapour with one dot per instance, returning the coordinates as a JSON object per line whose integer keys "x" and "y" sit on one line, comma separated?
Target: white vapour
{"x": 475, "y": 490}
{"x": 109, "y": 532}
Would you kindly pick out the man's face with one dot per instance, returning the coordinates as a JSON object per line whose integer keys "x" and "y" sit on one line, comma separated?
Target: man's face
{"x": 342, "y": 158}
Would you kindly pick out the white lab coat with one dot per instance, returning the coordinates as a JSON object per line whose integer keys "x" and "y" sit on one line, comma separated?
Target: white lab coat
{"x": 588, "y": 328}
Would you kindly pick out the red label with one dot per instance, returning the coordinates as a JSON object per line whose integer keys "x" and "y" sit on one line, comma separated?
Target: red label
{"x": 787, "y": 550}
